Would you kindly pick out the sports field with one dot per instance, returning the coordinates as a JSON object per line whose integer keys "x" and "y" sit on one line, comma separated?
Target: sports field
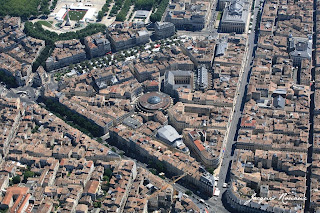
{"x": 75, "y": 15}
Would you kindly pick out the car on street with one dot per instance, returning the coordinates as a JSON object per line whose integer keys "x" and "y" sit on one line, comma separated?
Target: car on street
{"x": 216, "y": 192}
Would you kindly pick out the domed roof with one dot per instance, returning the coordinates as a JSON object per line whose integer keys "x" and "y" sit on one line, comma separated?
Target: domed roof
{"x": 154, "y": 100}
{"x": 235, "y": 8}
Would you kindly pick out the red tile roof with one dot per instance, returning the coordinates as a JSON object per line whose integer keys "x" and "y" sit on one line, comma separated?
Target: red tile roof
{"x": 199, "y": 145}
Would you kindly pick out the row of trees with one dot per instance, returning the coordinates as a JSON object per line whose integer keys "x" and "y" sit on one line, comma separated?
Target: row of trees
{"x": 44, "y": 7}
{"x": 22, "y": 8}
{"x": 35, "y": 30}
{"x": 27, "y": 174}
{"x": 159, "y": 6}
{"x": 41, "y": 60}
{"x": 258, "y": 20}
{"x": 116, "y": 7}
{"x": 124, "y": 11}
{"x": 26, "y": 8}
{"x": 54, "y": 4}
{"x": 72, "y": 118}
{"x": 160, "y": 9}
{"x": 104, "y": 9}
{"x": 156, "y": 167}
{"x": 144, "y": 4}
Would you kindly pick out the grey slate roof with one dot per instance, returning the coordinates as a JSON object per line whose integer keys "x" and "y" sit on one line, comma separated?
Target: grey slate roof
{"x": 235, "y": 12}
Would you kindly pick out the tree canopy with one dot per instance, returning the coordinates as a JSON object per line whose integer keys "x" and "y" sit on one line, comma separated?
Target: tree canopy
{"x": 22, "y": 8}
{"x": 157, "y": 15}
{"x": 27, "y": 174}
{"x": 9, "y": 80}
{"x": 124, "y": 11}
{"x": 72, "y": 118}
{"x": 116, "y": 7}
{"x": 35, "y": 30}
{"x": 144, "y": 4}
{"x": 104, "y": 9}
{"x": 16, "y": 179}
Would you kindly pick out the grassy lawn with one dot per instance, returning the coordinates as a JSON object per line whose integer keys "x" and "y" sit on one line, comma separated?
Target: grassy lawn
{"x": 76, "y": 15}
{"x": 219, "y": 15}
{"x": 46, "y": 23}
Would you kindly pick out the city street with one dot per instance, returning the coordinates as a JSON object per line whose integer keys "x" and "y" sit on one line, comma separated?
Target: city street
{"x": 27, "y": 94}
{"x": 216, "y": 205}
{"x": 195, "y": 198}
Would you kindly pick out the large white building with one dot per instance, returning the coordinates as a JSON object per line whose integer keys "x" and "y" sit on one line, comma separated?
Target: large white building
{"x": 188, "y": 15}
{"x": 300, "y": 48}
{"x": 88, "y": 17}
{"x": 235, "y": 17}
{"x": 169, "y": 135}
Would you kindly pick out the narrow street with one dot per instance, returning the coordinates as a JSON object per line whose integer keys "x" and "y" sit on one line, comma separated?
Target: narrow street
{"x": 217, "y": 205}
{"x": 312, "y": 105}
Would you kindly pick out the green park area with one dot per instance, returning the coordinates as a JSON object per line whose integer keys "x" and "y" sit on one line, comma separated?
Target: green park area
{"x": 76, "y": 15}
{"x": 46, "y": 23}
{"x": 121, "y": 8}
{"x": 22, "y": 8}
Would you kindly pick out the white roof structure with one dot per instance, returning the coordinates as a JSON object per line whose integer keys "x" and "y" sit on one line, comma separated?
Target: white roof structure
{"x": 169, "y": 133}
{"x": 91, "y": 11}
{"x": 60, "y": 14}
{"x": 142, "y": 14}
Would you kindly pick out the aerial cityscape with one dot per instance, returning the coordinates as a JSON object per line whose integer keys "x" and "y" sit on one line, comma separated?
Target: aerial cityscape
{"x": 164, "y": 106}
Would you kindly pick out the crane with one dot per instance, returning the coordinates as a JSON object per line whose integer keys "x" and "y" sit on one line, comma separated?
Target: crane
{"x": 174, "y": 178}
{"x": 166, "y": 186}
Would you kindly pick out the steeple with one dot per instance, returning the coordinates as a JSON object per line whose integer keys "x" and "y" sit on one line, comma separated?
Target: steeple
{"x": 68, "y": 18}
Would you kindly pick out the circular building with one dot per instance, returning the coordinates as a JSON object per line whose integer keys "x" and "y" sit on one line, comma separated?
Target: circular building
{"x": 153, "y": 101}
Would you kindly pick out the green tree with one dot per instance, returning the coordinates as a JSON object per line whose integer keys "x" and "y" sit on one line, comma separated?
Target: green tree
{"x": 19, "y": 8}
{"x": 9, "y": 80}
{"x": 100, "y": 15}
{"x": 16, "y": 179}
{"x": 28, "y": 174}
{"x": 78, "y": 121}
{"x": 105, "y": 186}
{"x": 104, "y": 9}
{"x": 107, "y": 172}
{"x": 54, "y": 4}
{"x": 4, "y": 210}
{"x": 144, "y": 4}
{"x": 157, "y": 14}
{"x": 35, "y": 129}
{"x": 153, "y": 171}
{"x": 210, "y": 170}
{"x": 188, "y": 192}
{"x": 258, "y": 20}
{"x": 97, "y": 204}
{"x": 106, "y": 178}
